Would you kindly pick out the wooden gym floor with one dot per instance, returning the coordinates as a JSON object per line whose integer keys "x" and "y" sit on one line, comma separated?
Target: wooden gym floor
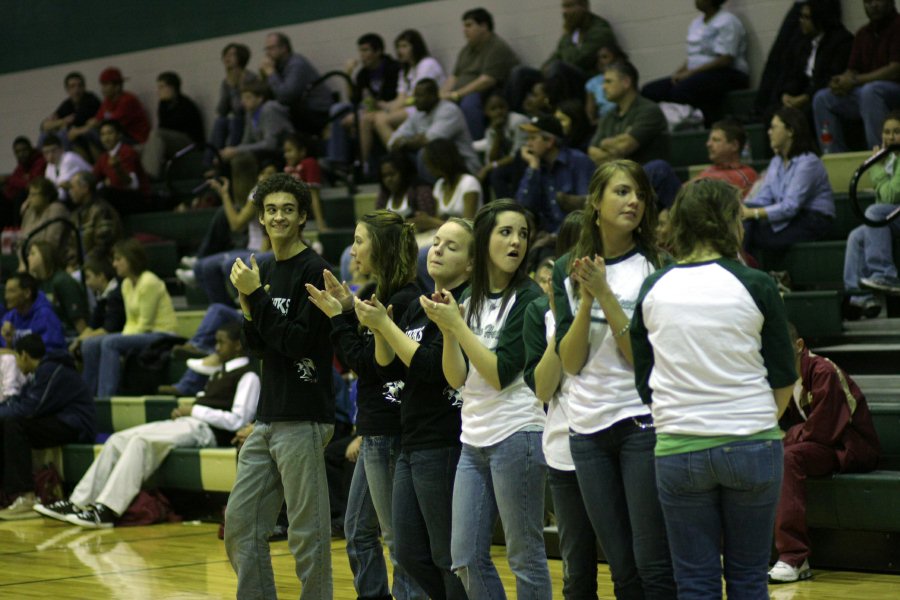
{"x": 46, "y": 559}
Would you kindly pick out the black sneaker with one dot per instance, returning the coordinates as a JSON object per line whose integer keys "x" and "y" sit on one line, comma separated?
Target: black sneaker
{"x": 99, "y": 516}
{"x": 58, "y": 510}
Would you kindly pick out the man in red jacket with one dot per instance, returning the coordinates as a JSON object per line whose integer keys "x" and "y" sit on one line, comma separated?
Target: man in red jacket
{"x": 30, "y": 163}
{"x": 828, "y": 429}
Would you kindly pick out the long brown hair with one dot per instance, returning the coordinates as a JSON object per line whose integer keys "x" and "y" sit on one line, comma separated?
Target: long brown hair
{"x": 591, "y": 240}
{"x": 394, "y": 251}
{"x": 706, "y": 211}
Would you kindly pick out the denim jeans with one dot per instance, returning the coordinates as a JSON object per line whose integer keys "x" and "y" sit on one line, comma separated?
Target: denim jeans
{"x": 506, "y": 479}
{"x": 423, "y": 500}
{"x": 869, "y": 249}
{"x": 102, "y": 356}
{"x": 216, "y": 316}
{"x": 226, "y": 131}
{"x": 213, "y": 272}
{"x": 870, "y": 102}
{"x": 615, "y": 469}
{"x": 281, "y": 462}
{"x": 473, "y": 110}
{"x": 721, "y": 498}
{"x": 368, "y": 507}
{"x": 577, "y": 542}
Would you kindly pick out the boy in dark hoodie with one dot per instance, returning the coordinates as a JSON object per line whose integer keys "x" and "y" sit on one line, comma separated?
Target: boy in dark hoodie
{"x": 53, "y": 408}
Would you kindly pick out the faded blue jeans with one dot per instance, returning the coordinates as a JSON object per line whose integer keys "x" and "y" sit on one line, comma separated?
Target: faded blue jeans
{"x": 723, "y": 498}
{"x": 281, "y": 462}
{"x": 369, "y": 506}
{"x": 505, "y": 480}
{"x": 615, "y": 469}
{"x": 870, "y": 102}
{"x": 103, "y": 355}
{"x": 870, "y": 250}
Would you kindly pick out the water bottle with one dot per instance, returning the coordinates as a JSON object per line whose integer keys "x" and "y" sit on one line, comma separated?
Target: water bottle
{"x": 825, "y": 139}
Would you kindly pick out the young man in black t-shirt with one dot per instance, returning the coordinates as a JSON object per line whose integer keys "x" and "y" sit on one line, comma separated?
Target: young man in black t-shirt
{"x": 283, "y": 459}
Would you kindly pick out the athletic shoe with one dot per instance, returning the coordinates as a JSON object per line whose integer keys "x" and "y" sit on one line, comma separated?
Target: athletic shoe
{"x": 186, "y": 276}
{"x": 58, "y": 510}
{"x": 785, "y": 573}
{"x": 882, "y": 283}
{"x": 98, "y": 516}
{"x": 188, "y": 262}
{"x": 21, "y": 508}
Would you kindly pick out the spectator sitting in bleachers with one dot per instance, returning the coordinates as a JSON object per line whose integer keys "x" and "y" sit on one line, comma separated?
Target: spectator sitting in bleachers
{"x": 179, "y": 124}
{"x": 556, "y": 180}
{"x": 435, "y": 118}
{"x": 131, "y": 456}
{"x": 98, "y": 222}
{"x": 456, "y": 192}
{"x": 575, "y": 58}
{"x": 65, "y": 294}
{"x": 266, "y": 124}
{"x": 868, "y": 88}
{"x": 288, "y": 75}
{"x": 375, "y": 86}
{"x": 482, "y": 65}
{"x": 119, "y": 172}
{"x": 501, "y": 145}
{"x": 75, "y": 111}
{"x": 725, "y": 143}
{"x": 597, "y": 105}
{"x": 300, "y": 161}
{"x": 637, "y": 129}
{"x": 41, "y": 207}
{"x": 869, "y": 261}
{"x": 577, "y": 128}
{"x": 61, "y": 164}
{"x": 28, "y": 311}
{"x": 795, "y": 202}
{"x": 416, "y": 65}
{"x": 828, "y": 429}
{"x": 820, "y": 54}
{"x": 401, "y": 191}
{"x": 228, "y": 126}
{"x": 53, "y": 408}
{"x": 30, "y": 164}
{"x": 108, "y": 315}
{"x": 149, "y": 317}
{"x": 118, "y": 105}
{"x": 716, "y": 63}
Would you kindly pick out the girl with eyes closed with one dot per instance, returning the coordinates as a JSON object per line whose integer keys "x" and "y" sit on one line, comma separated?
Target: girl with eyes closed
{"x": 611, "y": 431}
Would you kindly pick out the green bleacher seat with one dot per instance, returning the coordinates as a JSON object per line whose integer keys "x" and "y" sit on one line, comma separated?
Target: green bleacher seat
{"x": 840, "y": 168}
{"x": 845, "y": 219}
{"x": 338, "y": 208}
{"x": 688, "y": 148}
{"x": 186, "y": 229}
{"x": 817, "y": 265}
{"x": 333, "y": 244}
{"x": 816, "y": 315}
{"x": 162, "y": 258}
{"x": 739, "y": 104}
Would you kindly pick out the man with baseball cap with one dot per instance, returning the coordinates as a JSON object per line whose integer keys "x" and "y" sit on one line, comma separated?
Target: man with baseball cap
{"x": 556, "y": 180}
{"x": 118, "y": 105}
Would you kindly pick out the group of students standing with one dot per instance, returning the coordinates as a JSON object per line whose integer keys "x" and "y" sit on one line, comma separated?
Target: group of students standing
{"x": 642, "y": 367}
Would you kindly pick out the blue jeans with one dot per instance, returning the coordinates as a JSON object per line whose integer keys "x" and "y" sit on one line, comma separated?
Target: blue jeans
{"x": 338, "y": 145}
{"x": 281, "y": 462}
{"x": 368, "y": 507}
{"x": 869, "y": 249}
{"x": 577, "y": 542}
{"x": 213, "y": 273}
{"x": 423, "y": 501}
{"x": 216, "y": 316}
{"x": 506, "y": 479}
{"x": 473, "y": 110}
{"x": 102, "y": 356}
{"x": 870, "y": 102}
{"x": 615, "y": 469}
{"x": 723, "y": 498}
{"x": 226, "y": 131}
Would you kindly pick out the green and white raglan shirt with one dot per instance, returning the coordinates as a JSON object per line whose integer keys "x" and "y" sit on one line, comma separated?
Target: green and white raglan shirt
{"x": 710, "y": 342}
{"x": 603, "y": 393}
{"x": 489, "y": 416}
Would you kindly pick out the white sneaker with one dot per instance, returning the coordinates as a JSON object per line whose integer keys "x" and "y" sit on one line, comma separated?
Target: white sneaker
{"x": 785, "y": 573}
{"x": 186, "y": 276}
{"x": 189, "y": 261}
{"x": 21, "y": 508}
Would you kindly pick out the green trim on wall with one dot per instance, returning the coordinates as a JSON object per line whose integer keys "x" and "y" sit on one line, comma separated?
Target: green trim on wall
{"x": 41, "y": 33}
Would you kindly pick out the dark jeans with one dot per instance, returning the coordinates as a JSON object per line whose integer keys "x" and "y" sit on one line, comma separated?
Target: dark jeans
{"x": 577, "y": 542}
{"x": 423, "y": 498}
{"x": 705, "y": 90}
{"x": 20, "y": 436}
{"x": 807, "y": 226}
{"x": 615, "y": 468}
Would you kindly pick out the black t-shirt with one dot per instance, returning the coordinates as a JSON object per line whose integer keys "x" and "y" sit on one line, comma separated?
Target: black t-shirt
{"x": 109, "y": 313}
{"x": 85, "y": 110}
{"x": 380, "y": 82}
{"x": 377, "y": 399}
{"x": 181, "y": 114}
{"x": 290, "y": 335}
{"x": 430, "y": 408}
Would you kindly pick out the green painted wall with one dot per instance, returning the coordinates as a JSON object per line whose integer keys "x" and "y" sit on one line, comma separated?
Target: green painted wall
{"x": 39, "y": 33}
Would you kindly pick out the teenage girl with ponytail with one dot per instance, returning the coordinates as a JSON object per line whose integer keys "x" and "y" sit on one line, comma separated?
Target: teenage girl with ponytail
{"x": 384, "y": 247}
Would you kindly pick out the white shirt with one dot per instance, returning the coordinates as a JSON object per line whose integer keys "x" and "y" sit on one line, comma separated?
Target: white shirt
{"x": 69, "y": 164}
{"x": 427, "y": 68}
{"x": 454, "y": 205}
{"x": 555, "y": 441}
{"x": 723, "y": 35}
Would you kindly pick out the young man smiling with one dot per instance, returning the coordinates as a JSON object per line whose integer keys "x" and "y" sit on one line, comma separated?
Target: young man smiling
{"x": 283, "y": 459}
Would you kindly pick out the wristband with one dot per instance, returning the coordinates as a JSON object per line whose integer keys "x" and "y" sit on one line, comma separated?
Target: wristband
{"x": 756, "y": 214}
{"x": 623, "y": 331}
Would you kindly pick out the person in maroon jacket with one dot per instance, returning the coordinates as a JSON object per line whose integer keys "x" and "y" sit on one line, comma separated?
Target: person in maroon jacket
{"x": 123, "y": 182}
{"x": 30, "y": 164}
{"x": 828, "y": 429}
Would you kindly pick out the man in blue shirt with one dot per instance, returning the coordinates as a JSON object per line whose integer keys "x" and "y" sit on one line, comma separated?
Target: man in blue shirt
{"x": 556, "y": 180}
